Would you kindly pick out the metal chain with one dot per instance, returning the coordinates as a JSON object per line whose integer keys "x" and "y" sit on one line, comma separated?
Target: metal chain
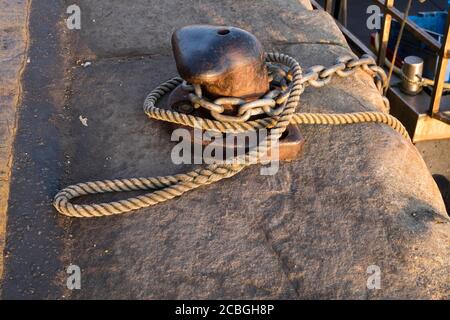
{"x": 272, "y": 104}
{"x": 169, "y": 187}
{"x": 319, "y": 76}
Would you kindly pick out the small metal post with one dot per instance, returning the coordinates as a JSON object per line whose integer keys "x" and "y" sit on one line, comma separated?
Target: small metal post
{"x": 412, "y": 70}
{"x": 439, "y": 79}
{"x": 385, "y": 32}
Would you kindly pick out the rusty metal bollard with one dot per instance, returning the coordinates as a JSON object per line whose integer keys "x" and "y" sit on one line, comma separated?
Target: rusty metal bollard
{"x": 224, "y": 61}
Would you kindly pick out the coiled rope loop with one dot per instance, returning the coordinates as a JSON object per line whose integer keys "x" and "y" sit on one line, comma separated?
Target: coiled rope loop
{"x": 168, "y": 187}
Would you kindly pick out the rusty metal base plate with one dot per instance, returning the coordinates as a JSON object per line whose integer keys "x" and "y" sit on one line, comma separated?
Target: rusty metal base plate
{"x": 289, "y": 148}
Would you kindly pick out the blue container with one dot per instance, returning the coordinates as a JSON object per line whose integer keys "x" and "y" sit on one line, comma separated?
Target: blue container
{"x": 434, "y": 24}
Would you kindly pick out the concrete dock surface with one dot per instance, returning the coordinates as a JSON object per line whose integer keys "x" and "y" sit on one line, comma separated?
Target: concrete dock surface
{"x": 359, "y": 196}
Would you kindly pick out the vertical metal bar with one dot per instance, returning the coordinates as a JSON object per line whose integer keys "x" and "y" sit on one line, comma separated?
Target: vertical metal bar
{"x": 343, "y": 12}
{"x": 340, "y": 11}
{"x": 398, "y": 41}
{"x": 328, "y": 6}
{"x": 385, "y": 32}
{"x": 439, "y": 79}
{"x": 337, "y": 9}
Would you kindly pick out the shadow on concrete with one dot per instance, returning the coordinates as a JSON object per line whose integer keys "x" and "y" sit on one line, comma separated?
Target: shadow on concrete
{"x": 444, "y": 186}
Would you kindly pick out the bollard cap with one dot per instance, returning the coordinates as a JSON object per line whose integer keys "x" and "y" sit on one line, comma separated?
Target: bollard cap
{"x": 413, "y": 60}
{"x": 227, "y": 61}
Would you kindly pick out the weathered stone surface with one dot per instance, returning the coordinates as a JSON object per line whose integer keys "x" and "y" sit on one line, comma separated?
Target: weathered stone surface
{"x": 108, "y": 32}
{"x": 13, "y": 43}
{"x": 360, "y": 195}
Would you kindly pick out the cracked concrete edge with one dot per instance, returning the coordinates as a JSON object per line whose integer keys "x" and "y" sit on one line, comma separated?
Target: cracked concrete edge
{"x": 14, "y": 17}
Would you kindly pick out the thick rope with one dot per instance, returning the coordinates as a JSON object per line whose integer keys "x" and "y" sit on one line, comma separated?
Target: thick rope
{"x": 169, "y": 187}
{"x": 350, "y": 118}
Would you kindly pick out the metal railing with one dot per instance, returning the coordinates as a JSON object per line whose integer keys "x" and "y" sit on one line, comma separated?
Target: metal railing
{"x": 441, "y": 49}
{"x": 338, "y": 8}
